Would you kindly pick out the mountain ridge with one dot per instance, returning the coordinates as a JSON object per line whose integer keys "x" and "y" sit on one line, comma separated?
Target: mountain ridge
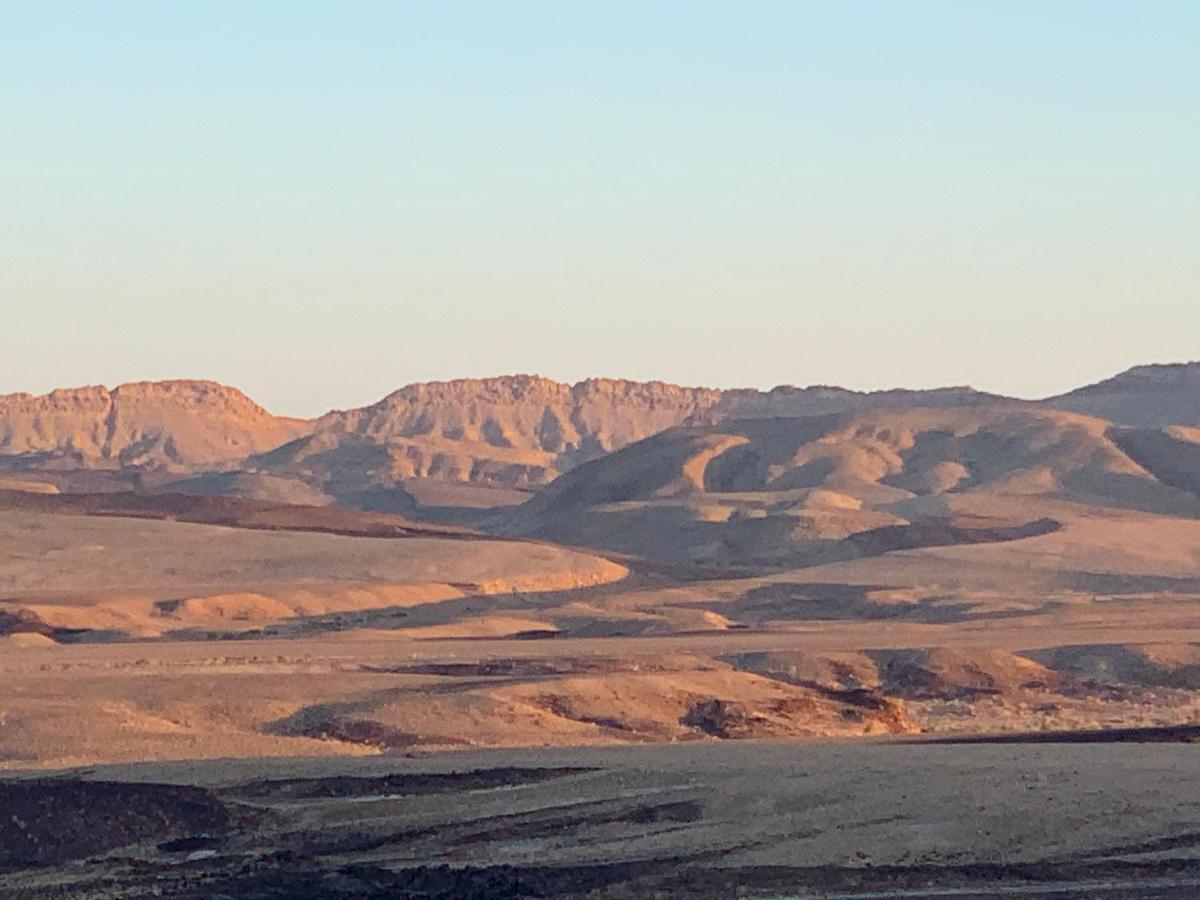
{"x": 1147, "y": 396}
{"x": 510, "y": 431}
{"x": 143, "y": 423}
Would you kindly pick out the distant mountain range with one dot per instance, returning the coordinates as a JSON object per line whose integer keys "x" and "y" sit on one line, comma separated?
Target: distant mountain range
{"x": 468, "y": 443}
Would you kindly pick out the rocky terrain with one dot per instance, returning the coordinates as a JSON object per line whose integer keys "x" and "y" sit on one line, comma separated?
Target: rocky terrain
{"x": 800, "y": 491}
{"x": 745, "y": 819}
{"x": 146, "y": 425}
{"x": 445, "y": 644}
{"x": 751, "y": 570}
{"x": 444, "y": 449}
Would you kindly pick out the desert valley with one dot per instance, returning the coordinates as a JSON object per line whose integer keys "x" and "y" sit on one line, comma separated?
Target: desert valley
{"x": 512, "y": 637}
{"x": 308, "y": 591}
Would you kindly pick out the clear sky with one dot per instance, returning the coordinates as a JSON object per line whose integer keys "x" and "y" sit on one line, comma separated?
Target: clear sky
{"x": 318, "y": 202}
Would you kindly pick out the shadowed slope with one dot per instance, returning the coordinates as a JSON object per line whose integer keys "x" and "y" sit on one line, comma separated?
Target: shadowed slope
{"x": 1144, "y": 396}
{"x": 1172, "y": 455}
{"x": 800, "y": 491}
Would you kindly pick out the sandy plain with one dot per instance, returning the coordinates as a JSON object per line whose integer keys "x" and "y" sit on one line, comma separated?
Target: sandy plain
{"x": 252, "y": 709}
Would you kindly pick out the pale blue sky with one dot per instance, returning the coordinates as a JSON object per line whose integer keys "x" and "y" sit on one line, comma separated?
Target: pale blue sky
{"x": 318, "y": 202}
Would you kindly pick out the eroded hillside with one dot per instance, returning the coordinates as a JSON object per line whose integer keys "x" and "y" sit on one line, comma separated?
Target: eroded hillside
{"x": 788, "y": 491}
{"x": 446, "y": 450}
{"x": 495, "y": 439}
{"x": 172, "y": 424}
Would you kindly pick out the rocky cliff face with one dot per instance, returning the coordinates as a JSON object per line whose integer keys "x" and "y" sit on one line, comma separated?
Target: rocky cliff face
{"x": 528, "y": 413}
{"x": 165, "y": 423}
{"x": 525, "y": 430}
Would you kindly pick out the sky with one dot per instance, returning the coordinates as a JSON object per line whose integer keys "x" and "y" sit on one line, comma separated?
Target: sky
{"x": 320, "y": 202}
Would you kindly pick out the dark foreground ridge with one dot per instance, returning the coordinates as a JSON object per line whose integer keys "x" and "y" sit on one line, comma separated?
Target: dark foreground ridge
{"x": 1164, "y": 734}
{"x": 378, "y": 836}
{"x": 284, "y": 875}
{"x": 48, "y": 821}
{"x": 679, "y": 878}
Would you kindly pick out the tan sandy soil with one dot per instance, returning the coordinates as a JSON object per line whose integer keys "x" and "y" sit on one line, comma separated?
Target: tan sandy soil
{"x": 28, "y": 485}
{"x": 150, "y": 577}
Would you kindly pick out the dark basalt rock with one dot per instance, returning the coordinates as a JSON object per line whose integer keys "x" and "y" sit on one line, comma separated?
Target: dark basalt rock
{"x": 49, "y": 821}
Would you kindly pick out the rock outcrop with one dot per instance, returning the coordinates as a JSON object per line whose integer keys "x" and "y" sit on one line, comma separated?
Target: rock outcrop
{"x": 144, "y": 424}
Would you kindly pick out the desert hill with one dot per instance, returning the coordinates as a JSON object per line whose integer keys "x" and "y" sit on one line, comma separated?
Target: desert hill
{"x": 523, "y": 431}
{"x": 1152, "y": 396}
{"x": 120, "y": 564}
{"x": 518, "y": 431}
{"x": 143, "y": 424}
{"x": 803, "y": 490}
